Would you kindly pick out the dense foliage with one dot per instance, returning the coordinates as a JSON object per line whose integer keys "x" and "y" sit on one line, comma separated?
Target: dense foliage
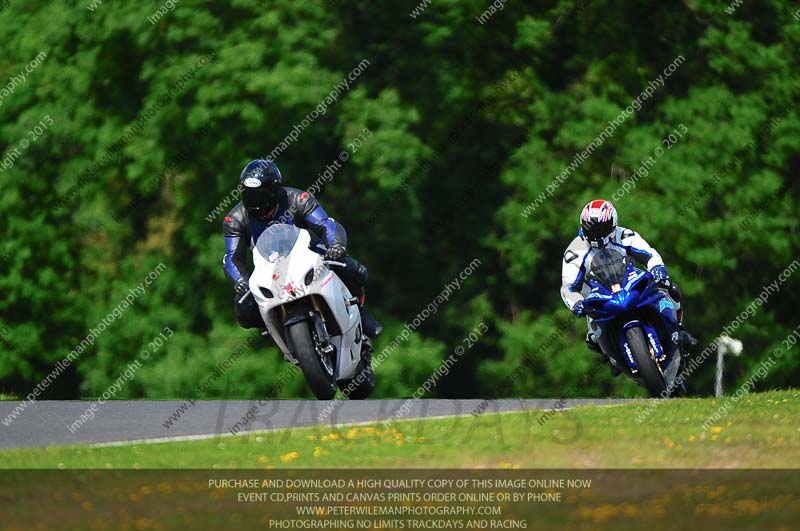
{"x": 138, "y": 130}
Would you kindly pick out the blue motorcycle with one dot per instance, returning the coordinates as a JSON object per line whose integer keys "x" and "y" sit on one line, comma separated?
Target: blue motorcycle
{"x": 635, "y": 322}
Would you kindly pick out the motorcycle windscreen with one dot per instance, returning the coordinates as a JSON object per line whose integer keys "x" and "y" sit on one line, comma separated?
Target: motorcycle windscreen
{"x": 277, "y": 241}
{"x": 271, "y": 256}
{"x": 609, "y": 268}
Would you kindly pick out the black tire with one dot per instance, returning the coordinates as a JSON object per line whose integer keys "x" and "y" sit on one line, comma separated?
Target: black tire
{"x": 322, "y": 384}
{"x": 360, "y": 386}
{"x": 648, "y": 369}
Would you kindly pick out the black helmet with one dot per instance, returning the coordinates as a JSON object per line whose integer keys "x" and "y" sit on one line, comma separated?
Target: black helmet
{"x": 261, "y": 183}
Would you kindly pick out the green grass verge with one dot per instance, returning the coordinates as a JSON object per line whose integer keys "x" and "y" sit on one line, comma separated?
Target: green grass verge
{"x": 759, "y": 431}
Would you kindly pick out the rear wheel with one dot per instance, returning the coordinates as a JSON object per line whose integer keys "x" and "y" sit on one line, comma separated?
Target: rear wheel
{"x": 319, "y": 375}
{"x": 648, "y": 368}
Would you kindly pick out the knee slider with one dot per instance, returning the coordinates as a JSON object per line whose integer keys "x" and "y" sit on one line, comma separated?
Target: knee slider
{"x": 361, "y": 274}
{"x": 675, "y": 292}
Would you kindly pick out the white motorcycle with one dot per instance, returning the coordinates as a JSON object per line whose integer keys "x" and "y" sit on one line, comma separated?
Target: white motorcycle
{"x": 310, "y": 313}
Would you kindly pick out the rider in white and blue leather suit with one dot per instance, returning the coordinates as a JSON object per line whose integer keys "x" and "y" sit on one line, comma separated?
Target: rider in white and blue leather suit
{"x": 599, "y": 230}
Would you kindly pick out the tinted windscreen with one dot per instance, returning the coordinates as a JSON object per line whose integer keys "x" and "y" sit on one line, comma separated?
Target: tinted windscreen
{"x": 609, "y": 267}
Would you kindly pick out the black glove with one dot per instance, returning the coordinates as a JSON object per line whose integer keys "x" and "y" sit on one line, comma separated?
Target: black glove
{"x": 335, "y": 252}
{"x": 579, "y": 310}
{"x": 242, "y": 287}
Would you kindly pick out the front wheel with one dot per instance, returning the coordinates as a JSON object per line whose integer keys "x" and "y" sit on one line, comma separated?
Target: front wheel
{"x": 648, "y": 368}
{"x": 319, "y": 377}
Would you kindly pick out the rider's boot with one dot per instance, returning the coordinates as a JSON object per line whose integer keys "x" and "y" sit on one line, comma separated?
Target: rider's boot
{"x": 371, "y": 326}
{"x": 685, "y": 339}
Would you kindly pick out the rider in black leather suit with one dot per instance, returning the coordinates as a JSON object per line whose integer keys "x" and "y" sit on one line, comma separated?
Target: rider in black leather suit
{"x": 265, "y": 201}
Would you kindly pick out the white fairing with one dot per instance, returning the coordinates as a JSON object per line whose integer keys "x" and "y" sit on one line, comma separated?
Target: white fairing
{"x": 283, "y": 272}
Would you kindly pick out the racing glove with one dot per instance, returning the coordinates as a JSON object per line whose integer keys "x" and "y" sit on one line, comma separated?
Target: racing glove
{"x": 579, "y": 310}
{"x": 660, "y": 275}
{"x": 335, "y": 252}
{"x": 241, "y": 287}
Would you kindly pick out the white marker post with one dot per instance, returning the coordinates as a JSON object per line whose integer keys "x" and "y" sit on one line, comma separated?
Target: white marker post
{"x": 725, "y": 344}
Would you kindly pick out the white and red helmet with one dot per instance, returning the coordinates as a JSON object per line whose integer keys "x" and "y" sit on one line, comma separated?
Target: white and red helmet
{"x": 598, "y": 222}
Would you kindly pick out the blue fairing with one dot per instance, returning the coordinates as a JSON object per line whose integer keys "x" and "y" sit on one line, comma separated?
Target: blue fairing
{"x": 622, "y": 307}
{"x": 637, "y": 292}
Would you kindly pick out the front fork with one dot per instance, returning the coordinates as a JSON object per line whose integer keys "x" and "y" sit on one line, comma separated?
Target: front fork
{"x": 623, "y": 353}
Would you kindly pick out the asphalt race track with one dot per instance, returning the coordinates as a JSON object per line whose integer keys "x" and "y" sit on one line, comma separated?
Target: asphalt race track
{"x": 47, "y": 423}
